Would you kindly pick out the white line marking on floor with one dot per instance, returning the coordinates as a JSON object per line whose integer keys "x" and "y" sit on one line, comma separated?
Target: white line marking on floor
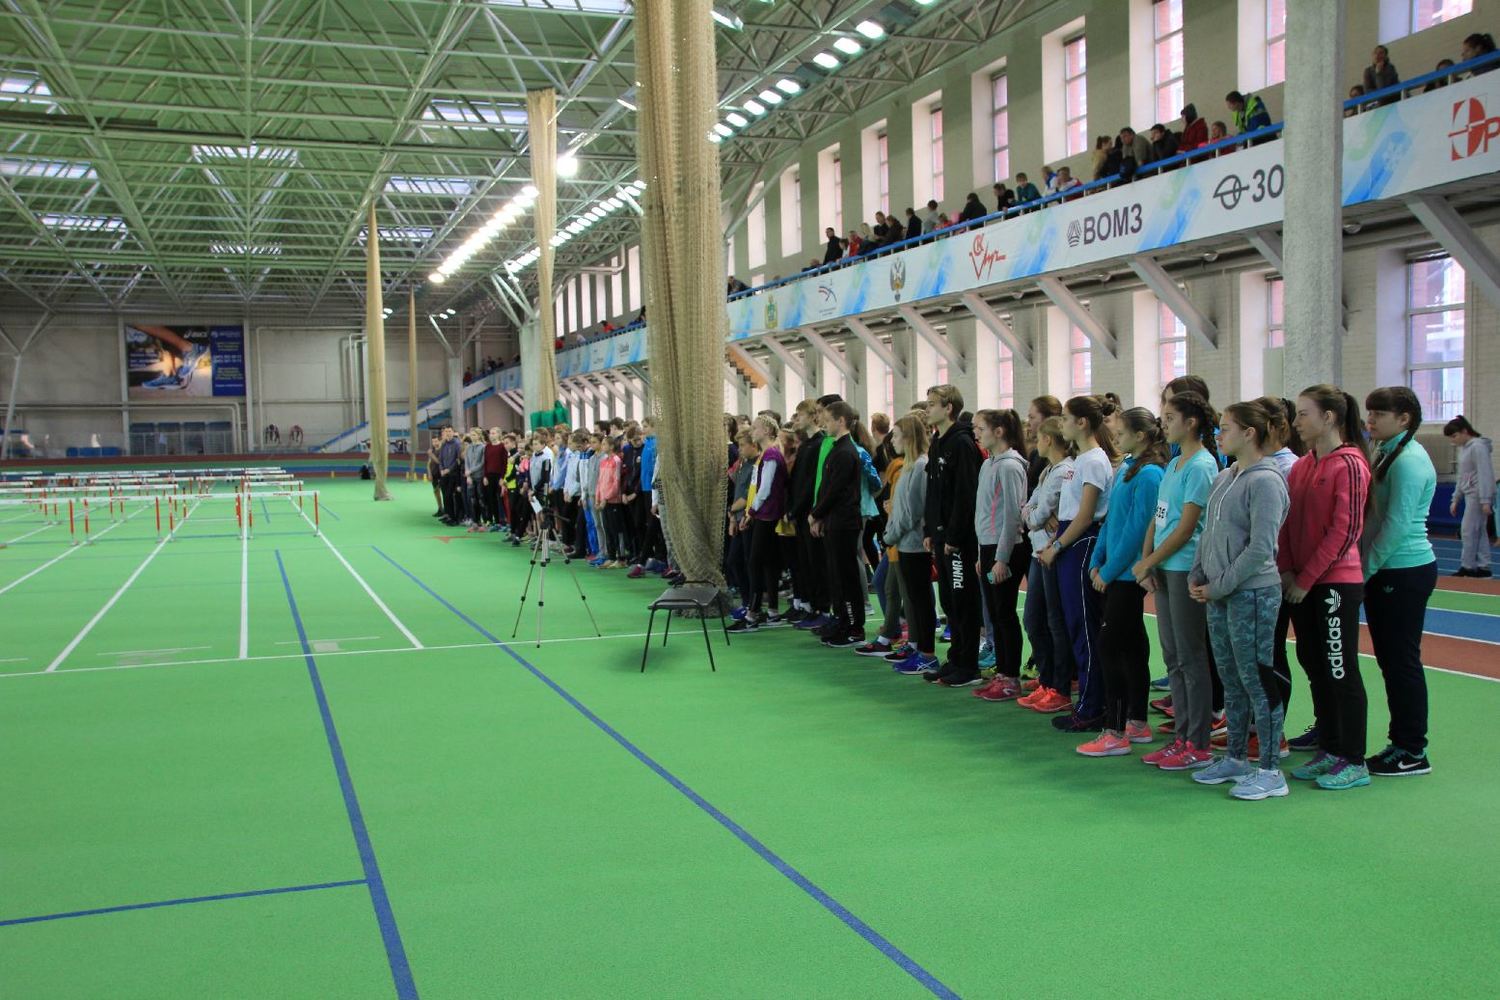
{"x": 11, "y": 541}
{"x": 15, "y": 659}
{"x": 83, "y": 632}
{"x": 63, "y": 555}
{"x": 143, "y": 652}
{"x": 401, "y": 626}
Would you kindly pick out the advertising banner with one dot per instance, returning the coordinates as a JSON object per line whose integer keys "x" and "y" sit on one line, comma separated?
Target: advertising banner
{"x": 177, "y": 361}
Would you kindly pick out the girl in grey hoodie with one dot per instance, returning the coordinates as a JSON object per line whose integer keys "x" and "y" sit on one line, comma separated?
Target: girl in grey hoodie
{"x": 1476, "y": 488}
{"x": 1234, "y": 573}
{"x": 903, "y": 532}
{"x": 1003, "y": 552}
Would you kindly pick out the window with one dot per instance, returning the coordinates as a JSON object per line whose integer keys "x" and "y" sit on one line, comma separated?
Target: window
{"x": 838, "y": 194}
{"x": 1166, "y": 27}
{"x": 883, "y": 172}
{"x": 1399, "y": 18}
{"x": 1007, "y": 377}
{"x": 791, "y": 212}
{"x": 1171, "y": 345}
{"x": 935, "y": 135}
{"x": 890, "y": 392}
{"x": 617, "y": 284}
{"x": 1435, "y": 317}
{"x": 1275, "y": 313}
{"x": 633, "y": 300}
{"x": 942, "y": 369}
{"x": 1000, "y": 124}
{"x": 755, "y": 229}
{"x": 1275, "y": 42}
{"x": 1075, "y": 95}
{"x": 1081, "y": 367}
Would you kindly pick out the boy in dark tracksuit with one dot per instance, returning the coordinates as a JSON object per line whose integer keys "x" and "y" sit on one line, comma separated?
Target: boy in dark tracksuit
{"x": 952, "y": 480}
{"x": 836, "y": 517}
{"x": 809, "y": 549}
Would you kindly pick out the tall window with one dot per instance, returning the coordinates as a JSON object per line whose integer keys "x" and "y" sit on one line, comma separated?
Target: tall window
{"x": 1171, "y": 345}
{"x": 1435, "y": 317}
{"x": 936, "y": 137}
{"x": 1000, "y": 124}
{"x": 1275, "y": 42}
{"x": 1081, "y": 367}
{"x": 791, "y": 212}
{"x": 1075, "y": 95}
{"x": 1275, "y": 313}
{"x": 1419, "y": 15}
{"x": 633, "y": 279}
{"x": 1007, "y": 373}
{"x": 755, "y": 229}
{"x": 838, "y": 194}
{"x": 1166, "y": 25}
{"x": 883, "y": 170}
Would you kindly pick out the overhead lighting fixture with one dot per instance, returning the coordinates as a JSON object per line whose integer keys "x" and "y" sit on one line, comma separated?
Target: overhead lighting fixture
{"x": 848, "y": 46}
{"x": 625, "y": 104}
{"x": 715, "y": 138}
{"x": 827, "y": 60}
{"x": 567, "y": 165}
{"x": 736, "y": 119}
{"x": 723, "y": 130}
{"x": 870, "y": 30}
{"x": 727, "y": 18}
{"x": 788, "y": 86}
{"x": 437, "y": 277}
{"x": 755, "y": 108}
{"x": 770, "y": 97}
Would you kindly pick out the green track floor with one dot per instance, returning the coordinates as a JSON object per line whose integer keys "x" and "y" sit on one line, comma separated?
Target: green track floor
{"x": 527, "y": 853}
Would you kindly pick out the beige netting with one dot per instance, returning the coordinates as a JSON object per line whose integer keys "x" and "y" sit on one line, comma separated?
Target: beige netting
{"x": 380, "y": 442}
{"x": 682, "y": 259}
{"x": 411, "y": 383}
{"x": 539, "y": 376}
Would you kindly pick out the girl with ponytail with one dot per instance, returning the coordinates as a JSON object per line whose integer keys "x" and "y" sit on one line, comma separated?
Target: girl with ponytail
{"x": 1400, "y": 573}
{"x": 1321, "y": 577}
{"x": 1171, "y": 545}
{"x": 1125, "y": 648}
{"x": 1476, "y": 487}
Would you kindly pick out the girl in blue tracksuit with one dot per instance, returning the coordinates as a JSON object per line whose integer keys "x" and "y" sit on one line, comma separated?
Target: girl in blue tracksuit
{"x": 1400, "y": 573}
{"x": 1122, "y": 635}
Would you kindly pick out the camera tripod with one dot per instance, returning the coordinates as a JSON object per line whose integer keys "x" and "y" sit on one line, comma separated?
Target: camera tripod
{"x": 541, "y": 556}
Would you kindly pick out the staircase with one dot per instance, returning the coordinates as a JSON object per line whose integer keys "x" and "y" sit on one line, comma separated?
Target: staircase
{"x": 429, "y": 412}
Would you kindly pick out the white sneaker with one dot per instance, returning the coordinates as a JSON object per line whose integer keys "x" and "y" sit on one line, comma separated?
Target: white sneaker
{"x": 1260, "y": 785}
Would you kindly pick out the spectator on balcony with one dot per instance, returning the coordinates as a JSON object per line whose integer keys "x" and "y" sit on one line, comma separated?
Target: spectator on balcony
{"x": 835, "y": 248}
{"x": 1217, "y": 132}
{"x": 1135, "y": 152}
{"x": 974, "y": 209}
{"x": 1047, "y": 174}
{"x": 881, "y": 226}
{"x": 606, "y": 328}
{"x": 1005, "y": 198}
{"x": 930, "y": 217}
{"x": 1164, "y": 143}
{"x": 1350, "y": 110}
{"x": 1475, "y": 46}
{"x": 1063, "y": 181}
{"x": 640, "y": 317}
{"x": 1380, "y": 74}
{"x": 735, "y": 286}
{"x": 1106, "y": 159}
{"x": 1194, "y": 129}
{"x": 853, "y": 244}
{"x": 913, "y": 224}
{"x": 1025, "y": 190}
{"x": 1443, "y": 64}
{"x": 1249, "y": 110}
{"x": 812, "y": 265}
{"x": 944, "y": 222}
{"x": 866, "y": 236}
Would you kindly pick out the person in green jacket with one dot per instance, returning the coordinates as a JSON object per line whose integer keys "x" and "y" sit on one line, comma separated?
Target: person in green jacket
{"x": 1400, "y": 573}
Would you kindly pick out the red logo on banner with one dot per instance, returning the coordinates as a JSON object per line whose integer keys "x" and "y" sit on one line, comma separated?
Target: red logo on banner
{"x": 1473, "y": 128}
{"x": 983, "y": 258}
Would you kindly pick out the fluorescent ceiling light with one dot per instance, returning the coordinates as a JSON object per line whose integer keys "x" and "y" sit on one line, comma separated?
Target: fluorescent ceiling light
{"x": 437, "y": 277}
{"x": 727, "y": 18}
{"x": 723, "y": 130}
{"x": 736, "y": 119}
{"x": 788, "y": 86}
{"x": 530, "y": 191}
{"x": 771, "y": 97}
{"x": 848, "y": 46}
{"x": 567, "y": 165}
{"x": 870, "y": 30}
{"x": 827, "y": 60}
{"x": 755, "y": 108}
{"x": 625, "y": 104}
{"x": 715, "y": 138}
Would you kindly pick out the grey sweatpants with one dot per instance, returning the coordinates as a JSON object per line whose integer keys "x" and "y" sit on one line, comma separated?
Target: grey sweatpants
{"x": 1182, "y": 626}
{"x": 1475, "y": 532}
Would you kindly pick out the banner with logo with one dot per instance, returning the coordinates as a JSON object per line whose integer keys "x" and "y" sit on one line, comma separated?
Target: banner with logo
{"x": 191, "y": 361}
{"x": 1422, "y": 142}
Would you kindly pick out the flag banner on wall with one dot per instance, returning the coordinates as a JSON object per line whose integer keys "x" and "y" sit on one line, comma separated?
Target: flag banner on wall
{"x": 193, "y": 361}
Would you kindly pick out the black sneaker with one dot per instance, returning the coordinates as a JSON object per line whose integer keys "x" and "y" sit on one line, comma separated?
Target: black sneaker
{"x": 1482, "y": 574}
{"x": 932, "y": 676}
{"x": 1307, "y": 741}
{"x": 1393, "y": 762}
{"x": 1071, "y": 723}
{"x": 844, "y": 640}
{"x": 746, "y": 624}
{"x": 794, "y": 616}
{"x": 772, "y": 620}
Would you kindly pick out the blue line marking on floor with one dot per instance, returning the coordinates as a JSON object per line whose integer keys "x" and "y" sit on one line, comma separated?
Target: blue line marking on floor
{"x": 329, "y": 512}
{"x": 180, "y": 902}
{"x": 864, "y": 930}
{"x": 265, "y": 509}
{"x": 395, "y": 951}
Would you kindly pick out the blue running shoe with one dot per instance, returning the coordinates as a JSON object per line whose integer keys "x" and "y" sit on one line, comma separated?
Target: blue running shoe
{"x": 987, "y": 659}
{"x": 947, "y": 635}
{"x": 915, "y": 665}
{"x": 738, "y": 614}
{"x": 814, "y": 622}
{"x": 1161, "y": 684}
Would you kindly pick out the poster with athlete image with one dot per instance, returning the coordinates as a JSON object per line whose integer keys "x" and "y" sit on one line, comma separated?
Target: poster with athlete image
{"x": 191, "y": 361}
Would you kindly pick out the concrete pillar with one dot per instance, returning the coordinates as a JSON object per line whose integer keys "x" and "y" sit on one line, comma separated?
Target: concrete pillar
{"x": 1313, "y": 233}
{"x": 455, "y": 390}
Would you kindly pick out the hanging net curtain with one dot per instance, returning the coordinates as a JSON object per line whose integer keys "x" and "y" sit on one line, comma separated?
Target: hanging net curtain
{"x": 539, "y": 364}
{"x": 682, "y": 257}
{"x": 380, "y": 443}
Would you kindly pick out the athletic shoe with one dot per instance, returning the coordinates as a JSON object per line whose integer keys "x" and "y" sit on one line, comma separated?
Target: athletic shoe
{"x": 999, "y": 689}
{"x": 437, "y": 513}
{"x": 596, "y": 563}
{"x": 743, "y": 625}
{"x": 1030, "y": 684}
{"x": 915, "y": 664}
{"x": 1107, "y": 744}
{"x": 1049, "y": 701}
{"x": 947, "y": 635}
{"x": 901, "y": 652}
{"x": 959, "y": 680}
{"x": 739, "y": 613}
{"x": 845, "y": 641}
{"x": 987, "y": 658}
{"x": 1224, "y": 769}
{"x": 655, "y": 566}
{"x": 1316, "y": 768}
{"x": 1172, "y": 749}
{"x": 1260, "y": 785}
{"x": 1307, "y": 741}
{"x": 1461, "y": 571}
{"x": 1167, "y": 728}
{"x": 1028, "y": 669}
{"x": 771, "y": 620}
{"x": 636, "y": 572}
{"x": 795, "y": 616}
{"x": 677, "y": 580}
{"x": 1480, "y": 574}
{"x": 1393, "y": 762}
{"x": 875, "y": 648}
{"x": 1072, "y": 723}
{"x": 815, "y": 621}
{"x": 1220, "y": 724}
{"x": 833, "y": 630}
{"x": 1189, "y": 758}
{"x": 1161, "y": 684}
{"x": 1138, "y": 733}
{"x": 1283, "y": 752}
{"x": 1164, "y": 706}
{"x": 1344, "y": 774}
